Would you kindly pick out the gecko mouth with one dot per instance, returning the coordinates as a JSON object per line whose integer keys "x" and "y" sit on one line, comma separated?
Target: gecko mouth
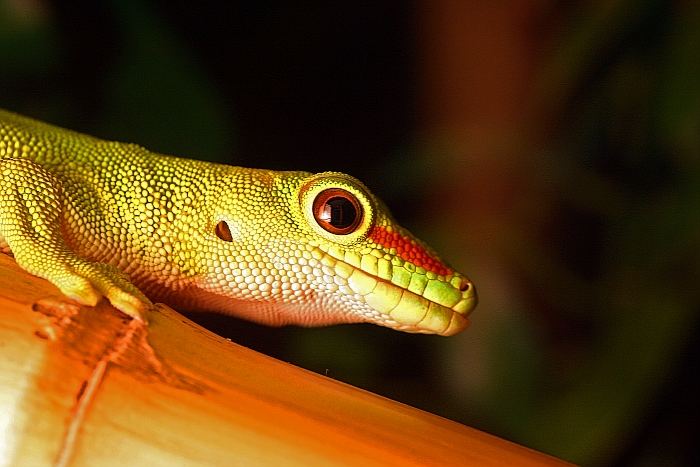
{"x": 418, "y": 314}
{"x": 410, "y": 301}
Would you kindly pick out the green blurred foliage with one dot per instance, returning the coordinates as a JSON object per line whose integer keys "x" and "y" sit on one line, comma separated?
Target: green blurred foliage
{"x": 592, "y": 365}
{"x": 629, "y": 140}
{"x": 179, "y": 110}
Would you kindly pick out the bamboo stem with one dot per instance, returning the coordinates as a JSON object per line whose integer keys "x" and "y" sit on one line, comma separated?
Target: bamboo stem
{"x": 83, "y": 386}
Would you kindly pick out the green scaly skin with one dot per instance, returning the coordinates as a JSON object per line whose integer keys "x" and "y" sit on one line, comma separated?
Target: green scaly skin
{"x": 99, "y": 218}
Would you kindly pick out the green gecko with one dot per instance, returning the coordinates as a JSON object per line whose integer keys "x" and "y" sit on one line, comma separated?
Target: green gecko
{"x": 107, "y": 219}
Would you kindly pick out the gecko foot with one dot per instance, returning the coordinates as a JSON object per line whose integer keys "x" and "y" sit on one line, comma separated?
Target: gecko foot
{"x": 91, "y": 281}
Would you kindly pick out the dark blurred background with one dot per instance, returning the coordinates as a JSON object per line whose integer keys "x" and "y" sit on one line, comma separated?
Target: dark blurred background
{"x": 549, "y": 149}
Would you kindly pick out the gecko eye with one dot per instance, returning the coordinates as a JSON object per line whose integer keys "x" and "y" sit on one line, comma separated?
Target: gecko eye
{"x": 337, "y": 211}
{"x": 337, "y": 208}
{"x": 223, "y": 232}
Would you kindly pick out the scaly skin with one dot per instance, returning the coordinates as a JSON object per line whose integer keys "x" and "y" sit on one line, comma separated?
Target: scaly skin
{"x": 100, "y": 218}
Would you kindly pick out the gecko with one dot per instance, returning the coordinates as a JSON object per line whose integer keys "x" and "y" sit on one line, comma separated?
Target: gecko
{"x": 104, "y": 219}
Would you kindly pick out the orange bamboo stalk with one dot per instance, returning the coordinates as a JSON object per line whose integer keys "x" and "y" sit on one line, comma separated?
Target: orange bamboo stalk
{"x": 82, "y": 386}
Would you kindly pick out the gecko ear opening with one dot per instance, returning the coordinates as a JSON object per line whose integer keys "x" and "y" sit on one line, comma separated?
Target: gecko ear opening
{"x": 223, "y": 231}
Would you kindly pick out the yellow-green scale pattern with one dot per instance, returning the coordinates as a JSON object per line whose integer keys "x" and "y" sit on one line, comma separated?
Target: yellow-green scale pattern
{"x": 99, "y": 218}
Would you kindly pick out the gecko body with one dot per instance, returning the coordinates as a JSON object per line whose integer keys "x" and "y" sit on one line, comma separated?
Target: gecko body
{"x": 99, "y": 218}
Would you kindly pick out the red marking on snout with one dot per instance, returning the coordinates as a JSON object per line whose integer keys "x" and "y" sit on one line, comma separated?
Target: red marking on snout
{"x": 408, "y": 250}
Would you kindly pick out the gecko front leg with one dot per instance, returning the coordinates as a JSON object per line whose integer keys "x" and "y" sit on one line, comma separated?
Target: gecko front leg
{"x": 31, "y": 204}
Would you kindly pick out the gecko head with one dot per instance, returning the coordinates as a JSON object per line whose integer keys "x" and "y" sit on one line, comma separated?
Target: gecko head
{"x": 315, "y": 249}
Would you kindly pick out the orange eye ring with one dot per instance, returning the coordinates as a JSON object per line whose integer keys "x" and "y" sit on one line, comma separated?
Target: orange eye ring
{"x": 337, "y": 211}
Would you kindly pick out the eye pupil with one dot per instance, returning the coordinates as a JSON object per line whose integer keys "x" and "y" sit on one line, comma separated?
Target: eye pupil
{"x": 337, "y": 211}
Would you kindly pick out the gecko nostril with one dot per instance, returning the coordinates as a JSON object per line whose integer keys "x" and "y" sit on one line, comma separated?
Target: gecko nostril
{"x": 464, "y": 285}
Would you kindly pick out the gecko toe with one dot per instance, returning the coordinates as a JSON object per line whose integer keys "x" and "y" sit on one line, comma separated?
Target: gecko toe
{"x": 129, "y": 304}
{"x": 79, "y": 289}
